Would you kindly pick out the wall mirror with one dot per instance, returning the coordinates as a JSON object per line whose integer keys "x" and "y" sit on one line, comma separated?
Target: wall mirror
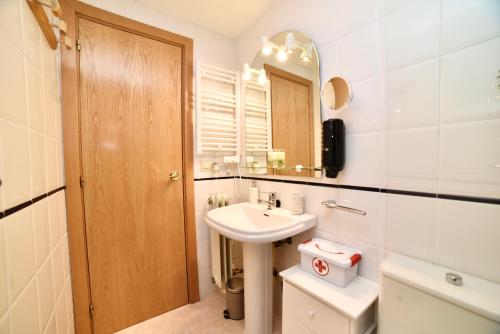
{"x": 281, "y": 108}
{"x": 336, "y": 93}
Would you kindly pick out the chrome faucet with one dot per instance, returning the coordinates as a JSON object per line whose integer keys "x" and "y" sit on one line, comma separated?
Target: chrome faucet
{"x": 271, "y": 199}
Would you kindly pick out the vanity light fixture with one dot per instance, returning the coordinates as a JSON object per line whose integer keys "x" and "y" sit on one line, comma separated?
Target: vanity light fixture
{"x": 248, "y": 72}
{"x": 282, "y": 54}
{"x": 288, "y": 48}
{"x": 267, "y": 46}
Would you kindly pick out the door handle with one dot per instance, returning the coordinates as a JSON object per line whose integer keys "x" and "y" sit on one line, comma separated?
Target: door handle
{"x": 174, "y": 175}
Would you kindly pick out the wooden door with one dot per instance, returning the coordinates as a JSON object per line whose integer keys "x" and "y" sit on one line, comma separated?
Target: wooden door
{"x": 131, "y": 138}
{"x": 292, "y": 119}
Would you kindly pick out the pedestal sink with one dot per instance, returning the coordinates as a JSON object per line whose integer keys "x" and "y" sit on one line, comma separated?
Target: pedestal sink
{"x": 257, "y": 227}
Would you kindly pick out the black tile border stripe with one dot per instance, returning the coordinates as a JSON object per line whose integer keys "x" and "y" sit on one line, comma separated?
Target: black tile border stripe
{"x": 463, "y": 198}
{"x": 24, "y": 205}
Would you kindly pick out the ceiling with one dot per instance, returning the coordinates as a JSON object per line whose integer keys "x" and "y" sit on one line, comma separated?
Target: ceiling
{"x": 227, "y": 17}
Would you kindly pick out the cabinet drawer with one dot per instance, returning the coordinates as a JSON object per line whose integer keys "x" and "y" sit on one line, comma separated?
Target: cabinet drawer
{"x": 291, "y": 325}
{"x": 312, "y": 313}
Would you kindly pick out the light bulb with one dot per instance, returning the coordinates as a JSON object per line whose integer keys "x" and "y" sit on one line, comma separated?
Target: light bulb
{"x": 247, "y": 73}
{"x": 262, "y": 77}
{"x": 281, "y": 55}
{"x": 289, "y": 43}
{"x": 306, "y": 53}
{"x": 267, "y": 47}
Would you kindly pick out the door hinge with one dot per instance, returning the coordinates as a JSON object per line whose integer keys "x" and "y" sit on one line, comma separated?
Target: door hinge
{"x": 78, "y": 45}
{"x": 82, "y": 182}
{"x": 91, "y": 309}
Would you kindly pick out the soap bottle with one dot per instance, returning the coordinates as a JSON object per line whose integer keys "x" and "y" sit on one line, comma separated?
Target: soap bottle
{"x": 254, "y": 193}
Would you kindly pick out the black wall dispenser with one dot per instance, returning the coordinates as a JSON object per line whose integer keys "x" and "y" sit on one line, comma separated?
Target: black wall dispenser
{"x": 333, "y": 146}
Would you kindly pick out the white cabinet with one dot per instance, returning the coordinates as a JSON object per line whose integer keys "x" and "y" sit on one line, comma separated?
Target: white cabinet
{"x": 311, "y": 305}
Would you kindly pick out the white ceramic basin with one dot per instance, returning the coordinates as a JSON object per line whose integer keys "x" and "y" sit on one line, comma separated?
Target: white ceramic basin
{"x": 254, "y": 223}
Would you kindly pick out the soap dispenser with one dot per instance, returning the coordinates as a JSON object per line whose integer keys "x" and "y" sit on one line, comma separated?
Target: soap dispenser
{"x": 254, "y": 193}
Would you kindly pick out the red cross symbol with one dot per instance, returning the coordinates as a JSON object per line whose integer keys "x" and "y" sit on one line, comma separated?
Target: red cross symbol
{"x": 320, "y": 266}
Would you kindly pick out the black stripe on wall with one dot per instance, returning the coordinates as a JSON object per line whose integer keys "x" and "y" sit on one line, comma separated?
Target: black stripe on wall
{"x": 485, "y": 200}
{"x": 24, "y": 205}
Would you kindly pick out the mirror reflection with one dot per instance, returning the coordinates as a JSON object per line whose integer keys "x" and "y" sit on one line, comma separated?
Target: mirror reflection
{"x": 282, "y": 107}
{"x": 336, "y": 93}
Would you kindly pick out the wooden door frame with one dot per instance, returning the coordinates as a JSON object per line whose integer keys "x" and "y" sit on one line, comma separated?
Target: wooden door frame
{"x": 272, "y": 70}
{"x": 80, "y": 279}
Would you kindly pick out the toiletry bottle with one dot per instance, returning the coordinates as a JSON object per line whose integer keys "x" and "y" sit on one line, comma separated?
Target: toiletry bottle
{"x": 254, "y": 193}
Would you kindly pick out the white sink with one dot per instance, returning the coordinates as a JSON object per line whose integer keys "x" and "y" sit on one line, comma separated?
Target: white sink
{"x": 257, "y": 227}
{"x": 247, "y": 222}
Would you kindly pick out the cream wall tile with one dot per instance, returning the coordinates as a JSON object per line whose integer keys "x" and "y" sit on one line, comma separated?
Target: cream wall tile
{"x": 15, "y": 176}
{"x": 54, "y": 220}
{"x": 468, "y": 22}
{"x": 469, "y": 159}
{"x": 4, "y": 298}
{"x": 365, "y": 163}
{"x": 58, "y": 269}
{"x": 354, "y": 14}
{"x": 360, "y": 53}
{"x": 31, "y": 35}
{"x": 10, "y": 22}
{"x": 467, "y": 238}
{"x": 37, "y": 165}
{"x": 202, "y": 230}
{"x": 366, "y": 112}
{"x": 24, "y": 312}
{"x": 13, "y": 103}
{"x": 69, "y": 302}
{"x": 51, "y": 326}
{"x": 412, "y": 96}
{"x": 61, "y": 313}
{"x": 35, "y": 98}
{"x": 412, "y": 159}
{"x": 408, "y": 231}
{"x": 51, "y": 160}
{"x": 65, "y": 254}
{"x": 412, "y": 34}
{"x": 5, "y": 324}
{"x": 206, "y": 285}
{"x": 45, "y": 288}
{"x": 469, "y": 84}
{"x": 19, "y": 250}
{"x": 204, "y": 255}
{"x": 41, "y": 229}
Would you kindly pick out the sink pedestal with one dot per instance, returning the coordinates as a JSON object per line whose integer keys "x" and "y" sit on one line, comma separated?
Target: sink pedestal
{"x": 258, "y": 285}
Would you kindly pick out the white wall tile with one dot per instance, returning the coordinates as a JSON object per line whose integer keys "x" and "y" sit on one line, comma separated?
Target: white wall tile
{"x": 368, "y": 229}
{"x": 412, "y": 159}
{"x": 360, "y": 53}
{"x": 45, "y": 288}
{"x": 469, "y": 85}
{"x": 54, "y": 220}
{"x": 327, "y": 219}
{"x": 368, "y": 267}
{"x": 69, "y": 303}
{"x": 412, "y": 96}
{"x": 202, "y": 230}
{"x": 354, "y": 14}
{"x": 366, "y": 112}
{"x": 51, "y": 161}
{"x": 14, "y": 165}
{"x": 24, "y": 311}
{"x": 387, "y": 6}
{"x": 469, "y": 159}
{"x": 204, "y": 254}
{"x": 328, "y": 61}
{"x": 412, "y": 34}
{"x": 4, "y": 298}
{"x": 365, "y": 161}
{"x": 19, "y": 251}
{"x": 467, "y": 238}
{"x": 468, "y": 22}
{"x": 41, "y": 228}
{"x": 51, "y": 326}
{"x": 13, "y": 103}
{"x": 206, "y": 285}
{"x": 37, "y": 164}
{"x": 408, "y": 231}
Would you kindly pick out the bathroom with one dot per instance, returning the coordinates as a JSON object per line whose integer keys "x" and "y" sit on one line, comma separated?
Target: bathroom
{"x": 267, "y": 166}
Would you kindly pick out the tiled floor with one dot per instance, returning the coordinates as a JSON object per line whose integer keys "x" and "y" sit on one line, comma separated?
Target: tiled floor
{"x": 202, "y": 317}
